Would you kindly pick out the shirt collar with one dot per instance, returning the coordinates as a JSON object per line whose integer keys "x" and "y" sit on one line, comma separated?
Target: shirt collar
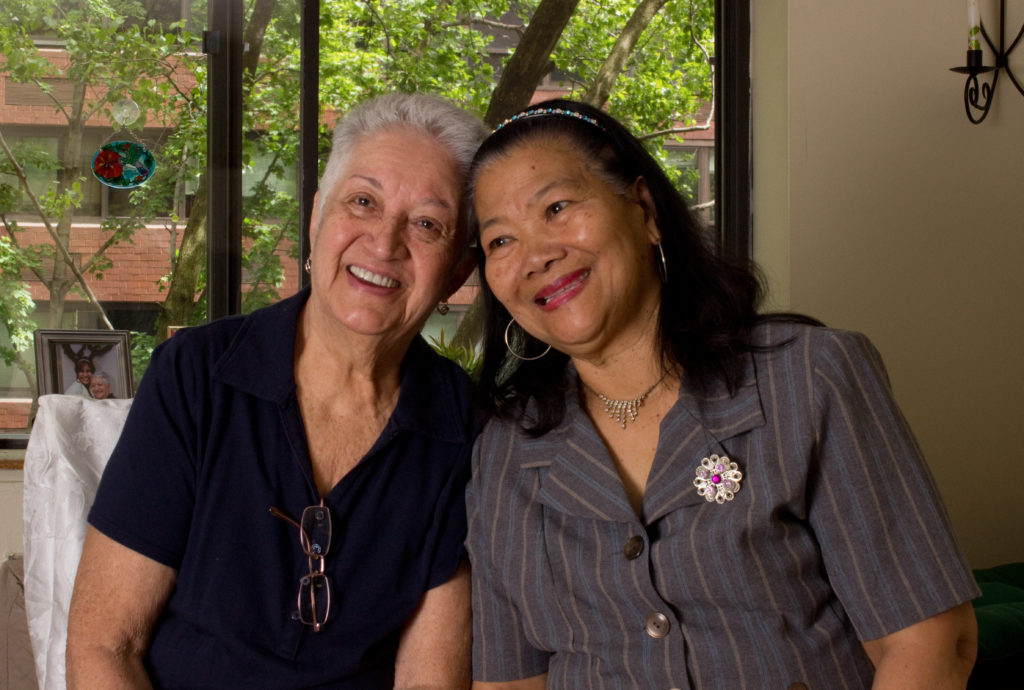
{"x": 260, "y": 360}
{"x": 434, "y": 395}
{"x": 723, "y": 413}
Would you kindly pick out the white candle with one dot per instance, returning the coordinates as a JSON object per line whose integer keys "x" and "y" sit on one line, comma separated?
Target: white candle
{"x": 973, "y": 26}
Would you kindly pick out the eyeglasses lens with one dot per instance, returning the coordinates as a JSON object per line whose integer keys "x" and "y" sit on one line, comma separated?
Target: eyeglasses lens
{"x": 314, "y": 599}
{"x": 316, "y": 530}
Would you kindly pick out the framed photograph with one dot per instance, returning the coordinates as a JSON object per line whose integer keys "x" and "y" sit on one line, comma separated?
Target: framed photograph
{"x": 93, "y": 364}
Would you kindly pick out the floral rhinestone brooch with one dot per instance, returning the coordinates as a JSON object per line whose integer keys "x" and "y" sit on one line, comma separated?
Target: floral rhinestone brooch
{"x": 718, "y": 479}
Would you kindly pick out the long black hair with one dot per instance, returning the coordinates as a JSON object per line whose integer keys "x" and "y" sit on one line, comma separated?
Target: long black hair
{"x": 708, "y": 304}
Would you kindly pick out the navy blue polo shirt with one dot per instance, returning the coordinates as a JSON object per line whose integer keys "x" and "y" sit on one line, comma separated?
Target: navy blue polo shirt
{"x": 213, "y": 439}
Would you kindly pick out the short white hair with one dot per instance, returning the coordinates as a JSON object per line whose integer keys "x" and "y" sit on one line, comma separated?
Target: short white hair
{"x": 457, "y": 130}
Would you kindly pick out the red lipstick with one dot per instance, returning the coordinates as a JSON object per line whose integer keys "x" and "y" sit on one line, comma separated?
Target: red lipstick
{"x": 562, "y": 290}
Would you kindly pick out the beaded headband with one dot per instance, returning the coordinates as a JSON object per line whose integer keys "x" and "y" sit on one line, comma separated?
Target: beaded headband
{"x": 557, "y": 112}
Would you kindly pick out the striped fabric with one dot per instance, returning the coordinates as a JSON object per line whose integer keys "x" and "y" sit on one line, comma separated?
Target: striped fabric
{"x": 837, "y": 534}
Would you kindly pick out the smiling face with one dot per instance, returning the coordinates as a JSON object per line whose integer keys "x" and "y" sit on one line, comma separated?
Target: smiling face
{"x": 387, "y": 239}
{"x": 84, "y": 373}
{"x": 99, "y": 388}
{"x": 569, "y": 257}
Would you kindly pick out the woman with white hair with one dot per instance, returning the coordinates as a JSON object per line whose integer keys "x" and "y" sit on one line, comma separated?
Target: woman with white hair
{"x": 99, "y": 385}
{"x": 285, "y": 505}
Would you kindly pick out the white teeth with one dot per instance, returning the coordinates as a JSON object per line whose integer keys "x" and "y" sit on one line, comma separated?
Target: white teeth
{"x": 544, "y": 300}
{"x": 373, "y": 278}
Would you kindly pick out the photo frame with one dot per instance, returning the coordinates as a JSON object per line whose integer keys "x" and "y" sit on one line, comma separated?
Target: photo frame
{"x": 63, "y": 356}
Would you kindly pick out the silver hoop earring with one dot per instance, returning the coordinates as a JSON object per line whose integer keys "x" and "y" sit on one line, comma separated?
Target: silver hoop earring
{"x": 516, "y": 354}
{"x": 308, "y": 265}
{"x": 659, "y": 260}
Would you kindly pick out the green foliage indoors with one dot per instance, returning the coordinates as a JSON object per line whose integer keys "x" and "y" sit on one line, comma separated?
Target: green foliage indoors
{"x": 118, "y": 49}
{"x": 466, "y": 357}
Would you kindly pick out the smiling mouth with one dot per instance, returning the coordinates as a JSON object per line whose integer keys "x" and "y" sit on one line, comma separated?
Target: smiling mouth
{"x": 568, "y": 287}
{"x": 373, "y": 278}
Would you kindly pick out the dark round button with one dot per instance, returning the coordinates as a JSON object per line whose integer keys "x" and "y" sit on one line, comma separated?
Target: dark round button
{"x": 656, "y": 624}
{"x": 634, "y": 547}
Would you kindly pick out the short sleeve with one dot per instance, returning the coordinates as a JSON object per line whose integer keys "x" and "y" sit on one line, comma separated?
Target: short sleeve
{"x": 147, "y": 491}
{"x": 886, "y": 539}
{"x": 450, "y": 524}
{"x": 501, "y": 651}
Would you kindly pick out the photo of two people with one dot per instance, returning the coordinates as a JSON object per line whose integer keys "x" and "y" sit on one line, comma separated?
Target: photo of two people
{"x": 89, "y": 364}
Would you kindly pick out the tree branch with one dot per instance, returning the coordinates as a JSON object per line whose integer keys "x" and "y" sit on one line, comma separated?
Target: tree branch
{"x": 678, "y": 130}
{"x": 384, "y": 28}
{"x": 48, "y": 92}
{"x": 711, "y": 111}
{"x": 14, "y": 240}
{"x": 613, "y": 65}
{"x": 255, "y": 30}
{"x": 107, "y": 244}
{"x": 703, "y": 48}
{"x": 517, "y": 28}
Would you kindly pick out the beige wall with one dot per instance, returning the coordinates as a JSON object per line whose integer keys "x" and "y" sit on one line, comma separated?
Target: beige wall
{"x": 879, "y": 207}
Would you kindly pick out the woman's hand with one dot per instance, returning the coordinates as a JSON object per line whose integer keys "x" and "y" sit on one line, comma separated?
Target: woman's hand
{"x": 937, "y": 653}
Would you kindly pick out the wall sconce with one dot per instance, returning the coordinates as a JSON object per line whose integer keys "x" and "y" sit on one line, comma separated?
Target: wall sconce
{"x": 978, "y": 97}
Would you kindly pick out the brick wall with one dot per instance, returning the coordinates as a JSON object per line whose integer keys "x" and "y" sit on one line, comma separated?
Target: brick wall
{"x": 137, "y": 267}
{"x": 14, "y": 413}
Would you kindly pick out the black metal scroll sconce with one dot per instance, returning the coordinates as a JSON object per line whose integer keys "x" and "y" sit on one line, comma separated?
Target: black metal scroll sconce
{"x": 978, "y": 96}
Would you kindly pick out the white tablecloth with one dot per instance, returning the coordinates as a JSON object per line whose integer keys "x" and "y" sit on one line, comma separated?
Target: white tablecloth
{"x": 71, "y": 440}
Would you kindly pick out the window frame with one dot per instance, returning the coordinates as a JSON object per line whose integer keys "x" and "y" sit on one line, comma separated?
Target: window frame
{"x": 733, "y": 161}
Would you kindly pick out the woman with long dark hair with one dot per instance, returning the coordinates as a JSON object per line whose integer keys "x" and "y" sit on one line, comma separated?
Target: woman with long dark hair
{"x": 676, "y": 491}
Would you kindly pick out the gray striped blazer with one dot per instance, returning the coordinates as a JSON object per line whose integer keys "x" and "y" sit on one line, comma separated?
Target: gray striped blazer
{"x": 836, "y": 534}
